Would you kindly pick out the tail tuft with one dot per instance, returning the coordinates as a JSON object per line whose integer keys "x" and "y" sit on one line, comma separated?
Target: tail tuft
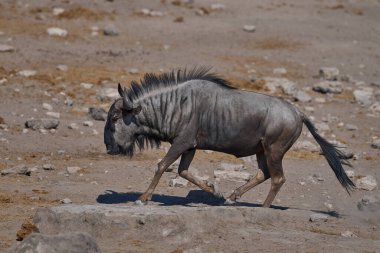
{"x": 334, "y": 157}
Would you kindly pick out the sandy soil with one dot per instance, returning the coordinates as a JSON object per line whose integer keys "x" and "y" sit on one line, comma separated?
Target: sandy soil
{"x": 301, "y": 36}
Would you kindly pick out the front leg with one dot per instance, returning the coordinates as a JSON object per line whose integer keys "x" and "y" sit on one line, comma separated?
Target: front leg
{"x": 174, "y": 152}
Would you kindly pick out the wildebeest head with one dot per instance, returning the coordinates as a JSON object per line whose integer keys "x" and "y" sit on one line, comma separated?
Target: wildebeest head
{"x": 121, "y": 129}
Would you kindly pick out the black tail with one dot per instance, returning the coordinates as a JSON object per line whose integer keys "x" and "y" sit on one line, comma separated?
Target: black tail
{"x": 334, "y": 157}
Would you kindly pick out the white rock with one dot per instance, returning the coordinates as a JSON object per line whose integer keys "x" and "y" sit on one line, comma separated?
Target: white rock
{"x": 320, "y": 100}
{"x": 318, "y": 217}
{"x": 218, "y": 7}
{"x": 73, "y": 170}
{"x": 58, "y": 11}
{"x": 287, "y": 86}
{"x": 301, "y": 96}
{"x": 19, "y": 169}
{"x": 88, "y": 123}
{"x": 62, "y": 67}
{"x": 376, "y": 143}
{"x": 48, "y": 166}
{"x": 56, "y": 115}
{"x": 279, "y": 71}
{"x": 249, "y": 28}
{"x": 350, "y": 173}
{"x": 351, "y": 127}
{"x": 363, "y": 97}
{"x": 334, "y": 87}
{"x": 55, "y": 31}
{"x": 66, "y": 201}
{"x": 133, "y": 71}
{"x": 375, "y": 107}
{"x": 178, "y": 182}
{"x": 27, "y": 73}
{"x": 87, "y": 85}
{"x": 232, "y": 175}
{"x": 3, "y": 80}
{"x": 6, "y": 48}
{"x": 367, "y": 183}
{"x": 47, "y": 106}
{"x": 348, "y": 234}
{"x": 73, "y": 126}
{"x": 329, "y": 73}
{"x": 108, "y": 94}
{"x": 323, "y": 127}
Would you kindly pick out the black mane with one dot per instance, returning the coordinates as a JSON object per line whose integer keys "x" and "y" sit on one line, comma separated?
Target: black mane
{"x": 153, "y": 81}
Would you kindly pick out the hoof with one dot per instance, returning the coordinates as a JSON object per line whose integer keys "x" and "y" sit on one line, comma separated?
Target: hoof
{"x": 139, "y": 203}
{"x": 229, "y": 202}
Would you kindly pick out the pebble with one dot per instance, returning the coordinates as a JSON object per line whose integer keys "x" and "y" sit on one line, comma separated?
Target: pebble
{"x": 178, "y": 182}
{"x": 351, "y": 127}
{"x": 348, "y": 234}
{"x": 301, "y": 96}
{"x": 88, "y": 123}
{"x": 133, "y": 71}
{"x": 110, "y": 30}
{"x": 86, "y": 85}
{"x": 58, "y": 11}
{"x": 55, "y": 31}
{"x": 56, "y": 115}
{"x": 73, "y": 126}
{"x": 97, "y": 113}
{"x": 375, "y": 107}
{"x": 62, "y": 67}
{"x": 6, "y": 48}
{"x": 367, "y": 183}
{"x": 47, "y": 106}
{"x": 329, "y": 73}
{"x": 249, "y": 28}
{"x": 329, "y": 206}
{"x": 42, "y": 124}
{"x": 324, "y": 87}
{"x": 48, "y": 166}
{"x": 66, "y": 201}
{"x": 69, "y": 102}
{"x": 320, "y": 100}
{"x": 19, "y": 170}
{"x": 108, "y": 94}
{"x": 350, "y": 173}
{"x": 27, "y": 73}
{"x": 318, "y": 217}
{"x": 376, "y": 144}
{"x": 3, "y": 80}
{"x": 73, "y": 170}
{"x": 363, "y": 97}
{"x": 279, "y": 71}
{"x": 218, "y": 7}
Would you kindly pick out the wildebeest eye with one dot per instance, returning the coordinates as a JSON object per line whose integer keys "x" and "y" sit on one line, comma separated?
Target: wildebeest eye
{"x": 116, "y": 116}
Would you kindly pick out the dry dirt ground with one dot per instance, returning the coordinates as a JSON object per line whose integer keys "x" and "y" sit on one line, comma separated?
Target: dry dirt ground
{"x": 301, "y": 36}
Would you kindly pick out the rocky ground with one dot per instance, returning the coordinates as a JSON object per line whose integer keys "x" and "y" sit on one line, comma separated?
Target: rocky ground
{"x": 58, "y": 59}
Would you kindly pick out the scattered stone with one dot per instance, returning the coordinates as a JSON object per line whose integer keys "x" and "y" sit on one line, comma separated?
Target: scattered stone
{"x": 6, "y": 48}
{"x": 320, "y": 100}
{"x": 348, "y": 234}
{"x": 324, "y": 87}
{"x": 375, "y": 107}
{"x": 329, "y": 206}
{"x": 329, "y": 73}
{"x": 47, "y": 106}
{"x": 87, "y": 85}
{"x": 218, "y": 7}
{"x": 249, "y": 28}
{"x": 367, "y": 183}
{"x": 3, "y": 80}
{"x": 151, "y": 13}
{"x": 27, "y": 73}
{"x": 363, "y": 97}
{"x": 73, "y": 126}
{"x": 66, "y": 201}
{"x": 48, "y": 166}
{"x": 287, "y": 86}
{"x": 350, "y": 173}
{"x": 19, "y": 170}
{"x": 351, "y": 127}
{"x": 97, "y": 113}
{"x": 376, "y": 143}
{"x": 178, "y": 182}
{"x": 56, "y": 115}
{"x": 62, "y": 67}
{"x": 88, "y": 123}
{"x": 75, "y": 242}
{"x": 58, "y": 11}
{"x": 110, "y": 30}
{"x": 133, "y": 71}
{"x": 315, "y": 217}
{"x": 26, "y": 229}
{"x": 73, "y": 170}
{"x": 301, "y": 96}
{"x": 369, "y": 203}
{"x": 36, "y": 124}
{"x": 280, "y": 71}
{"x": 55, "y": 31}
{"x": 108, "y": 94}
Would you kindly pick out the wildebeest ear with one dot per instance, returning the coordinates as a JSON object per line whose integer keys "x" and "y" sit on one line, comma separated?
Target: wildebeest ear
{"x": 120, "y": 90}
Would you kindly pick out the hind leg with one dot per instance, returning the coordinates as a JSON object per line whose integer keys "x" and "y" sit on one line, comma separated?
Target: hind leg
{"x": 274, "y": 161}
{"x": 260, "y": 177}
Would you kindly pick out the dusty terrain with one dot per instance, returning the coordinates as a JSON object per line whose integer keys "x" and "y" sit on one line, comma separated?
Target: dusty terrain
{"x": 300, "y": 36}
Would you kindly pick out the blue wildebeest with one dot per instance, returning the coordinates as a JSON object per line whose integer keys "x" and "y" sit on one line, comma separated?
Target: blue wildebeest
{"x": 198, "y": 110}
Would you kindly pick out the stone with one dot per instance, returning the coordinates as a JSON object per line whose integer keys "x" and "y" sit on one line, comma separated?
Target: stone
{"x": 56, "y": 115}
{"x": 97, "y": 113}
{"x": 27, "y": 73}
{"x": 350, "y": 173}
{"x": 108, "y": 94}
{"x": 249, "y": 28}
{"x": 367, "y": 183}
{"x": 351, "y": 127}
{"x": 66, "y": 201}
{"x": 19, "y": 170}
{"x": 280, "y": 71}
{"x": 37, "y": 124}
{"x": 58, "y": 11}
{"x": 73, "y": 169}
{"x": 73, "y": 242}
{"x": 301, "y": 96}
{"x": 47, "y": 106}
{"x": 48, "y": 166}
{"x": 334, "y": 87}
{"x": 133, "y": 71}
{"x": 217, "y": 7}
{"x": 329, "y": 73}
{"x": 69, "y": 102}
{"x": 376, "y": 144}
{"x": 62, "y": 67}
{"x": 316, "y": 217}
{"x": 363, "y": 97}
{"x": 86, "y": 85}
{"x": 178, "y": 182}
{"x": 323, "y": 127}
{"x": 375, "y": 107}
{"x": 6, "y": 48}
{"x": 88, "y": 123}
{"x": 348, "y": 234}
{"x": 287, "y": 86}
{"x": 55, "y": 31}
{"x": 369, "y": 203}
{"x": 110, "y": 30}
{"x": 232, "y": 175}
{"x": 73, "y": 126}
